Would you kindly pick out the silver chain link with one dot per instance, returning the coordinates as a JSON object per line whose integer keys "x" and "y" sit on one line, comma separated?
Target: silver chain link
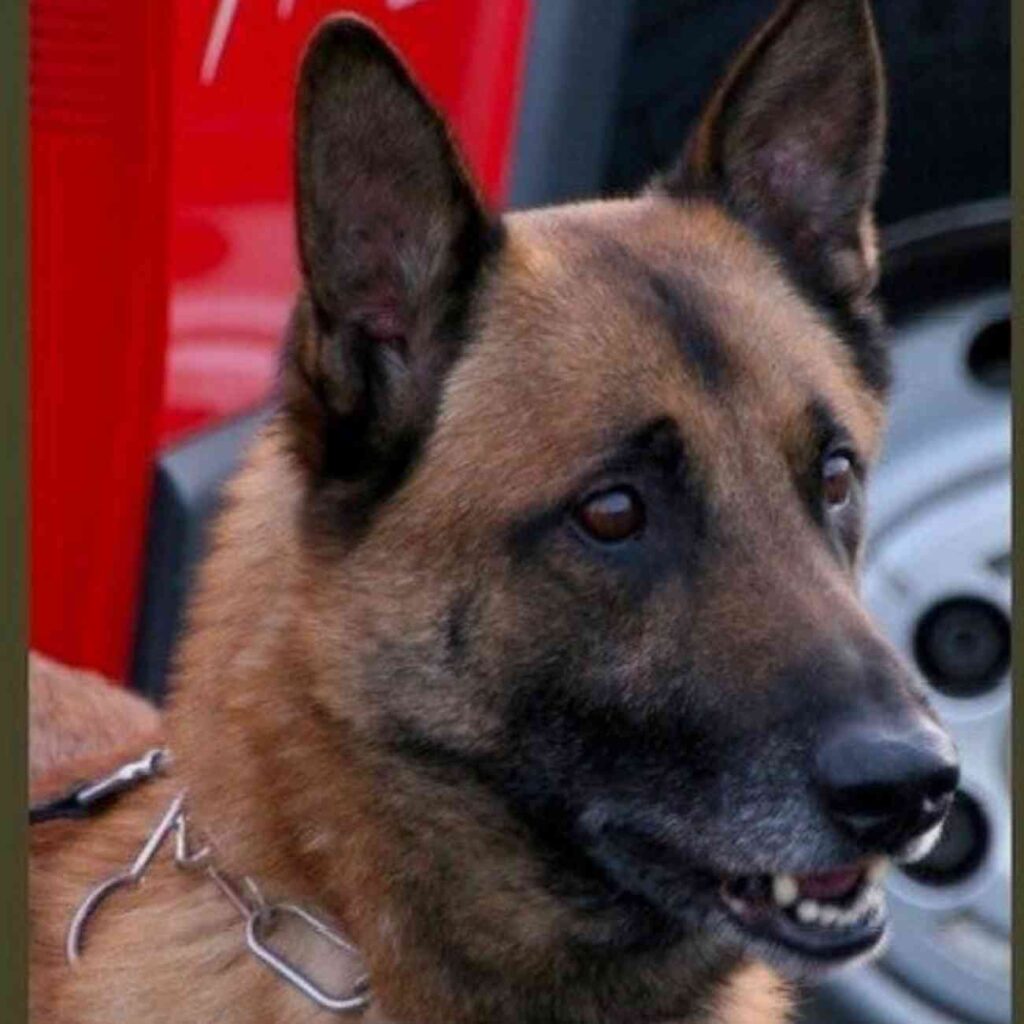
{"x": 257, "y": 915}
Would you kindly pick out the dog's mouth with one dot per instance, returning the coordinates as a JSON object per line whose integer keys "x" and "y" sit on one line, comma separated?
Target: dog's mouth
{"x": 809, "y": 921}
{"x": 828, "y": 917}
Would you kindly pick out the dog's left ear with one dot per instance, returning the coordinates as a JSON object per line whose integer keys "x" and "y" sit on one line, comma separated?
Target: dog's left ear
{"x": 392, "y": 238}
{"x": 792, "y": 142}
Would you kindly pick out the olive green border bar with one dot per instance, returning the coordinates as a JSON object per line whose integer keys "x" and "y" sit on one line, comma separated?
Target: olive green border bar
{"x": 1017, "y": 284}
{"x": 13, "y": 498}
{"x": 13, "y": 510}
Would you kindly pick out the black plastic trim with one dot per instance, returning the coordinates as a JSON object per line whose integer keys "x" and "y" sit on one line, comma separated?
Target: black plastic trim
{"x": 569, "y": 101}
{"x": 186, "y": 492}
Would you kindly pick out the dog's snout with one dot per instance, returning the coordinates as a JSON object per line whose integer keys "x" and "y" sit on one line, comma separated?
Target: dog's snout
{"x": 887, "y": 788}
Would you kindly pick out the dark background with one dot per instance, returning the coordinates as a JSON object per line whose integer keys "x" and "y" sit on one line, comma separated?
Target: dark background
{"x": 633, "y": 75}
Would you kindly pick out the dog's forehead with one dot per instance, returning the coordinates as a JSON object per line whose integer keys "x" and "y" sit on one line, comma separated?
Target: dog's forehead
{"x": 602, "y": 317}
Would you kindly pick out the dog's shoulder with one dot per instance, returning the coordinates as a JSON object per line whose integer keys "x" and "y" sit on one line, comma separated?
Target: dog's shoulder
{"x": 151, "y": 949}
{"x": 78, "y": 721}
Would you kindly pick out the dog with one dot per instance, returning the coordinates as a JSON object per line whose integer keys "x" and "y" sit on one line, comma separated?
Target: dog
{"x": 529, "y": 651}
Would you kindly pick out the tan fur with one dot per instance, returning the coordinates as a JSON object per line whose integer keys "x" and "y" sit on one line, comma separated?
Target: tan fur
{"x": 76, "y": 716}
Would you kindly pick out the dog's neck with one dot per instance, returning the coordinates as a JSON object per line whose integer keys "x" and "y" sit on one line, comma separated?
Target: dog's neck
{"x": 445, "y": 907}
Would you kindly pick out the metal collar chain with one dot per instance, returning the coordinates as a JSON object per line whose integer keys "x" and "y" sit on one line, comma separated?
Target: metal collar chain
{"x": 257, "y": 915}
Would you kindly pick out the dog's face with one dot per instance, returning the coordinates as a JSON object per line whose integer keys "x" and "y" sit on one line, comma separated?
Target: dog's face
{"x": 584, "y": 497}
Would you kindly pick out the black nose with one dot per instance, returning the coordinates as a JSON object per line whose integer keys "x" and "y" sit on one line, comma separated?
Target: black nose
{"x": 884, "y": 787}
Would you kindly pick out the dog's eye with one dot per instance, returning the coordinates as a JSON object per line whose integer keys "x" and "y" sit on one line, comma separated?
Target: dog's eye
{"x": 837, "y": 480}
{"x": 612, "y": 515}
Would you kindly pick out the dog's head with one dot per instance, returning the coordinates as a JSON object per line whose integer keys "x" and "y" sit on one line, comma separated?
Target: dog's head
{"x": 583, "y": 499}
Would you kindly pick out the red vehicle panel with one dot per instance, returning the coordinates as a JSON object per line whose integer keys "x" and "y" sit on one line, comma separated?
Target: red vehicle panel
{"x": 162, "y": 260}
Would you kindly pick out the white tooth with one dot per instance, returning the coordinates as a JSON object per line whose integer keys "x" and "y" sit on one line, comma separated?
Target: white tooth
{"x": 808, "y": 911}
{"x": 828, "y": 916}
{"x": 845, "y": 918}
{"x": 784, "y": 890}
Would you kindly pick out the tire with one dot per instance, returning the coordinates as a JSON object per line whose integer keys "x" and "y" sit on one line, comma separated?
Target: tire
{"x": 937, "y": 577}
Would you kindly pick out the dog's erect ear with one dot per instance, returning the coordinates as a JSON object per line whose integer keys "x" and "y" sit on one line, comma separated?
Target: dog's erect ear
{"x": 792, "y": 141}
{"x": 392, "y": 238}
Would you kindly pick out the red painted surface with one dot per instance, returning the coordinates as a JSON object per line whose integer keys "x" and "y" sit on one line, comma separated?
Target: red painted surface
{"x": 231, "y": 230}
{"x": 162, "y": 253}
{"x": 99, "y": 220}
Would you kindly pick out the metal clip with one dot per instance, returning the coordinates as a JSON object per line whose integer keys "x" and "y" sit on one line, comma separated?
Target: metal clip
{"x": 357, "y": 999}
{"x": 86, "y": 797}
{"x": 131, "y": 876}
{"x": 247, "y": 899}
{"x": 150, "y": 764}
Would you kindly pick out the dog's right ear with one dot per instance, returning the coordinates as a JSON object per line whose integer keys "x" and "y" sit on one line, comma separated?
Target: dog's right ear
{"x": 392, "y": 238}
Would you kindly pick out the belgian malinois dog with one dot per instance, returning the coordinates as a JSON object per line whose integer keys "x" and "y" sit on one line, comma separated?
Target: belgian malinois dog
{"x": 529, "y": 652}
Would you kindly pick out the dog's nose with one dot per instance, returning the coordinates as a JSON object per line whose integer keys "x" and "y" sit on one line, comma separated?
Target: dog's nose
{"x": 886, "y": 788}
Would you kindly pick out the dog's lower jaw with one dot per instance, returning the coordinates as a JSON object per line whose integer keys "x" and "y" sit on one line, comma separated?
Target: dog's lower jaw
{"x": 732, "y": 992}
{"x": 482, "y": 939}
{"x": 438, "y": 956}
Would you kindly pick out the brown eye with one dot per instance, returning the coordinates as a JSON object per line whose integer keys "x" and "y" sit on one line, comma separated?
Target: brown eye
{"x": 836, "y": 481}
{"x": 612, "y": 515}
